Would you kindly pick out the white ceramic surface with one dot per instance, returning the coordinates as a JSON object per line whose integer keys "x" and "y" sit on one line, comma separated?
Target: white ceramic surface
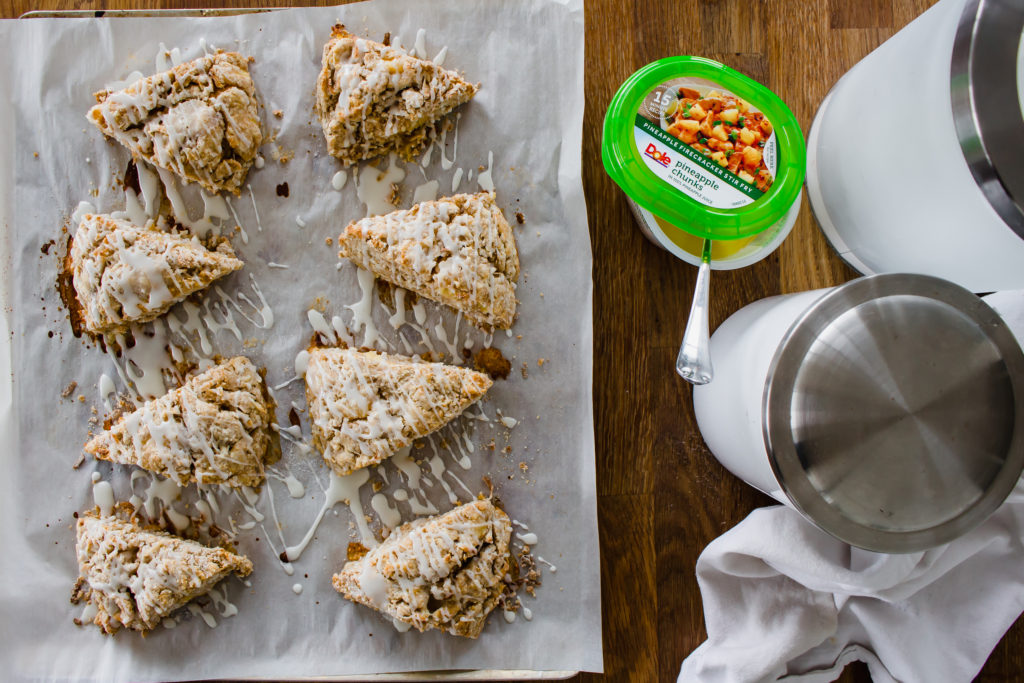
{"x": 886, "y": 177}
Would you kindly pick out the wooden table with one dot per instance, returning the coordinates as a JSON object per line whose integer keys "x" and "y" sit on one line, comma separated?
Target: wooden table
{"x": 662, "y": 496}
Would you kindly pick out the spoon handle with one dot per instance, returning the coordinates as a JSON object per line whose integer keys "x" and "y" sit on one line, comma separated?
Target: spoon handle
{"x": 694, "y": 360}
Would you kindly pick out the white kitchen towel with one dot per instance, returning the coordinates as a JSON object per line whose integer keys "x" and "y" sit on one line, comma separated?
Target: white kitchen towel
{"x": 785, "y": 601}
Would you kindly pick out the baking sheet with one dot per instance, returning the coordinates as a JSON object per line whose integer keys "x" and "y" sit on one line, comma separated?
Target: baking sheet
{"x": 527, "y": 118}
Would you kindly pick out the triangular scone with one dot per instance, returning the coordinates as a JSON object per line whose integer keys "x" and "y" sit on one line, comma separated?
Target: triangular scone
{"x": 133, "y": 578}
{"x": 214, "y": 429}
{"x": 124, "y": 273}
{"x": 373, "y": 99}
{"x": 198, "y": 120}
{"x": 364, "y": 405}
{"x": 443, "y": 572}
{"x": 457, "y": 250}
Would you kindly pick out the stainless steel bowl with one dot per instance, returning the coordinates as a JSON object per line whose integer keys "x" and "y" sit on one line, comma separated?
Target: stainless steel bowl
{"x": 893, "y": 414}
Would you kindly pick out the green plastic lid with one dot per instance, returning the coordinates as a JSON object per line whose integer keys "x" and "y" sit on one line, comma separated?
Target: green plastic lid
{"x": 704, "y": 148}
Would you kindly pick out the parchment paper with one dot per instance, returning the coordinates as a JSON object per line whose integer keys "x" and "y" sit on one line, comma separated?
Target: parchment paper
{"x": 529, "y": 58}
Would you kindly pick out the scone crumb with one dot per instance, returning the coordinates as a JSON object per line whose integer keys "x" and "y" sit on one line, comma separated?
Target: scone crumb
{"x": 278, "y": 113}
{"x": 81, "y": 398}
{"x": 69, "y": 389}
{"x": 79, "y": 462}
{"x": 520, "y": 218}
{"x": 491, "y": 361}
{"x": 541, "y": 361}
{"x": 524, "y": 372}
{"x": 328, "y": 241}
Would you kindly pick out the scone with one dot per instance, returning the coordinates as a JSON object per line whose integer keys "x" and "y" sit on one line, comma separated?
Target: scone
{"x": 443, "y": 572}
{"x": 214, "y": 429}
{"x": 124, "y": 273}
{"x": 458, "y": 251}
{"x": 133, "y": 578}
{"x": 373, "y": 99}
{"x": 364, "y": 406}
{"x": 199, "y": 120}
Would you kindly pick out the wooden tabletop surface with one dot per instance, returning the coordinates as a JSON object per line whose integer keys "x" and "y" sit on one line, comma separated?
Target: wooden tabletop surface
{"x": 662, "y": 497}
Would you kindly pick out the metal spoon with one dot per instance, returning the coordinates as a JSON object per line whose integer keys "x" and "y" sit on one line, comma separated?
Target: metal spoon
{"x": 694, "y": 360}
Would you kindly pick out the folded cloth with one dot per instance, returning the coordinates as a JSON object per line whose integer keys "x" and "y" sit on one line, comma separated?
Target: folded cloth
{"x": 785, "y": 601}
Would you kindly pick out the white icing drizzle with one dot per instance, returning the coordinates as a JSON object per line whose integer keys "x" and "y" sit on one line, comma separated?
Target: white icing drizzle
{"x": 133, "y": 210}
{"x": 203, "y": 226}
{"x": 425, "y": 159}
{"x": 238, "y": 222}
{"x": 247, "y": 497}
{"x": 122, "y": 84}
{"x": 320, "y": 326}
{"x": 286, "y": 564}
{"x": 529, "y": 539}
{"x": 265, "y": 313}
{"x": 102, "y": 495}
{"x": 398, "y": 319}
{"x": 426, "y": 192}
{"x": 260, "y": 161}
{"x": 450, "y": 345}
{"x": 219, "y": 596}
{"x": 362, "y": 310}
{"x": 271, "y": 264}
{"x": 388, "y": 514}
{"x": 456, "y": 179}
{"x": 402, "y": 459}
{"x": 166, "y": 491}
{"x": 297, "y": 588}
{"x": 463, "y": 443}
{"x": 341, "y": 330}
{"x": 439, "y": 59}
{"x": 400, "y": 626}
{"x": 295, "y": 487}
{"x": 484, "y": 180}
{"x": 165, "y": 59}
{"x": 339, "y": 179}
{"x": 420, "y": 47}
{"x": 294, "y": 435}
{"x": 196, "y": 610}
{"x": 259, "y": 225}
{"x": 88, "y": 614}
{"x": 552, "y": 567}
{"x": 509, "y": 615}
{"x": 437, "y": 468}
{"x": 301, "y": 362}
{"x": 80, "y": 212}
{"x": 374, "y": 187}
{"x": 299, "y": 222}
{"x": 418, "y": 503}
{"x": 340, "y": 489}
{"x": 447, "y": 163}
{"x": 149, "y": 183}
{"x": 527, "y": 613}
{"x": 107, "y": 391}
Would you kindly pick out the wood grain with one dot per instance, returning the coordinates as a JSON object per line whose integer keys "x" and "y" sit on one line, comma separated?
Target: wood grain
{"x": 662, "y": 497}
